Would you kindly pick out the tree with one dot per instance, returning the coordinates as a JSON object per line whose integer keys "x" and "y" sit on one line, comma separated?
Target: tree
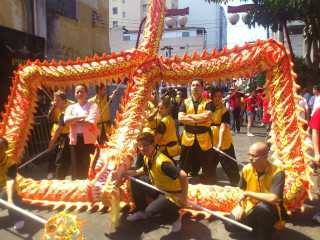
{"x": 276, "y": 13}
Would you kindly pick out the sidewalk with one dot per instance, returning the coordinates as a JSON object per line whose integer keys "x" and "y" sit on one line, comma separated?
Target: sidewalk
{"x": 298, "y": 227}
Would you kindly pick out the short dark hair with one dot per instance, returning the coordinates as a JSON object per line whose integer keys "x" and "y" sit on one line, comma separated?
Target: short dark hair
{"x": 145, "y": 136}
{"x": 298, "y": 91}
{"x": 82, "y": 85}
{"x": 60, "y": 94}
{"x": 214, "y": 91}
{"x": 317, "y": 88}
{"x": 199, "y": 80}
{"x": 4, "y": 141}
{"x": 99, "y": 87}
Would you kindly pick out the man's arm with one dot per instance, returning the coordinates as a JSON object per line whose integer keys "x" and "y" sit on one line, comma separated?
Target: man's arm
{"x": 55, "y": 137}
{"x": 239, "y": 209}
{"x": 51, "y": 111}
{"x": 315, "y": 144}
{"x": 10, "y": 190}
{"x": 266, "y": 197}
{"x": 134, "y": 173}
{"x": 185, "y": 119}
{"x": 202, "y": 117}
{"x": 152, "y": 115}
{"x": 183, "y": 177}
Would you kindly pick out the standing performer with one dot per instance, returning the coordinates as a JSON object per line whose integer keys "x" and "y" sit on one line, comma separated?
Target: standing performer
{"x": 54, "y": 114}
{"x": 161, "y": 172}
{"x": 165, "y": 136}
{"x": 222, "y": 138}
{"x": 153, "y": 119}
{"x": 9, "y": 188}
{"x": 235, "y": 107}
{"x": 104, "y": 123}
{"x": 196, "y": 145}
{"x": 260, "y": 195}
{"x": 82, "y": 117}
{"x": 62, "y": 161}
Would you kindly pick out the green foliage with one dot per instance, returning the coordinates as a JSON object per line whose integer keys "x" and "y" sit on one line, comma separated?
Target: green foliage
{"x": 301, "y": 68}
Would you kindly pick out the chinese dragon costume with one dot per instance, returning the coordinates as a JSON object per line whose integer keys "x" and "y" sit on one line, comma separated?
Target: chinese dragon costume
{"x": 144, "y": 68}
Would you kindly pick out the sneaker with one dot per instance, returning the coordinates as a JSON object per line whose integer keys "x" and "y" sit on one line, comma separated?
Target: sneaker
{"x": 316, "y": 217}
{"x": 50, "y": 176}
{"x": 18, "y": 225}
{"x": 250, "y": 135}
{"x": 136, "y": 216}
{"x": 176, "y": 226}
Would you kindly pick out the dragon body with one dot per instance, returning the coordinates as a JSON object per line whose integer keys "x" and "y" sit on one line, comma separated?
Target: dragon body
{"x": 144, "y": 68}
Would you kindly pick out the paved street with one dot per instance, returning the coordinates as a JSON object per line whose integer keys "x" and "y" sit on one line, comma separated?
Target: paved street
{"x": 299, "y": 225}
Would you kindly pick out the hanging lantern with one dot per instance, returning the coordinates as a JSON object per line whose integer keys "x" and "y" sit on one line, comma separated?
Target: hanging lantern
{"x": 246, "y": 18}
{"x": 234, "y": 18}
{"x": 170, "y": 22}
{"x": 182, "y": 21}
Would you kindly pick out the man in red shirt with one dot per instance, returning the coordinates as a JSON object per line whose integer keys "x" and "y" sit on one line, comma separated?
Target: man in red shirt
{"x": 250, "y": 103}
{"x": 267, "y": 119}
{"x": 260, "y": 104}
{"x": 206, "y": 93}
{"x": 235, "y": 102}
{"x": 314, "y": 124}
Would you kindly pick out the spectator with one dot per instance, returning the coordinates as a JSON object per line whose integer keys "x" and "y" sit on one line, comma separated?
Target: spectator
{"x": 306, "y": 94}
{"x": 9, "y": 188}
{"x": 315, "y": 126}
{"x": 304, "y": 105}
{"x": 235, "y": 109}
{"x": 222, "y": 139}
{"x": 316, "y": 103}
{"x": 82, "y": 117}
{"x": 260, "y": 195}
{"x": 206, "y": 93}
{"x": 250, "y": 104}
{"x": 267, "y": 120}
{"x": 260, "y": 105}
{"x": 104, "y": 123}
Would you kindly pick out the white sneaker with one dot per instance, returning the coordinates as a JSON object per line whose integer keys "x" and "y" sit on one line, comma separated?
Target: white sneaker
{"x": 50, "y": 176}
{"x": 18, "y": 225}
{"x": 136, "y": 216}
{"x": 316, "y": 217}
{"x": 176, "y": 226}
{"x": 250, "y": 135}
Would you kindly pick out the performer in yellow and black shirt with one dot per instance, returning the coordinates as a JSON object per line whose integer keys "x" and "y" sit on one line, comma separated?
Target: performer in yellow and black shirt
{"x": 54, "y": 114}
{"x": 153, "y": 119}
{"x": 165, "y": 136}
{"x": 196, "y": 145}
{"x": 222, "y": 138}
{"x": 104, "y": 123}
{"x": 61, "y": 135}
{"x": 161, "y": 172}
{"x": 9, "y": 188}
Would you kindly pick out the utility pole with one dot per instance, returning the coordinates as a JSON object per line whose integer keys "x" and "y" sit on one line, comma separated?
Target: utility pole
{"x": 168, "y": 50}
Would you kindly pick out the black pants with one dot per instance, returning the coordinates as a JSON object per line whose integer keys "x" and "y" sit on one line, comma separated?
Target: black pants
{"x": 193, "y": 158}
{"x": 63, "y": 160}
{"x": 229, "y": 166}
{"x": 261, "y": 218}
{"x": 235, "y": 113}
{"x": 14, "y": 215}
{"x": 80, "y": 158}
{"x": 102, "y": 138}
{"x": 161, "y": 210}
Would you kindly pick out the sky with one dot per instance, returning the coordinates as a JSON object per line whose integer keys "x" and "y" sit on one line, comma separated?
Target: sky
{"x": 239, "y": 34}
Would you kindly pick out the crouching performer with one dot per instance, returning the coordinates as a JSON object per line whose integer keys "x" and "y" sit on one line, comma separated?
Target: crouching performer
{"x": 161, "y": 172}
{"x": 260, "y": 195}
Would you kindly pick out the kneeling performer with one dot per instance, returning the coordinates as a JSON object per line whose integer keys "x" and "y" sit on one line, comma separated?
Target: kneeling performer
{"x": 161, "y": 172}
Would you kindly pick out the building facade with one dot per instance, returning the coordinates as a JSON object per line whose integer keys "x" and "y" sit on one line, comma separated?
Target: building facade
{"x": 126, "y": 16}
{"x": 49, "y": 29}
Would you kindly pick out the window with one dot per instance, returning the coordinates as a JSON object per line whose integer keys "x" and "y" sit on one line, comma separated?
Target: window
{"x": 67, "y": 8}
{"x": 123, "y": 14}
{"x": 115, "y": 23}
{"x": 123, "y": 1}
{"x": 145, "y": 7}
{"x": 185, "y": 34}
{"x": 126, "y": 38}
{"x": 182, "y": 48}
{"x": 115, "y": 10}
